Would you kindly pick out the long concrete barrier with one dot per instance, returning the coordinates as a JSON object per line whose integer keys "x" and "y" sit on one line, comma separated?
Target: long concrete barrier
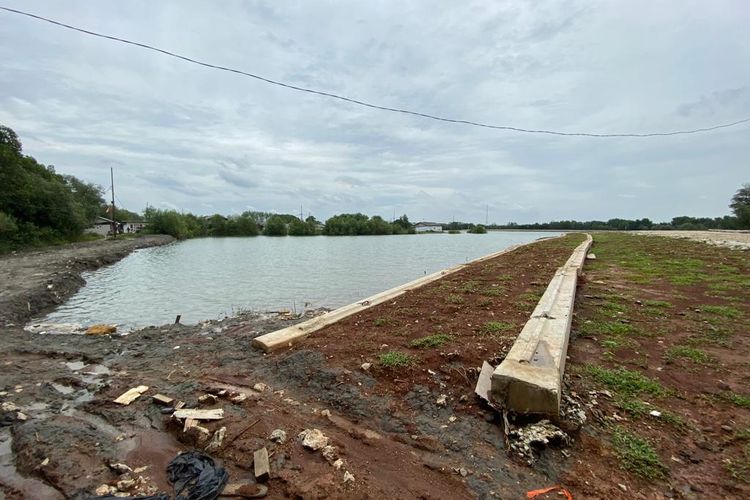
{"x": 287, "y": 336}
{"x": 529, "y": 379}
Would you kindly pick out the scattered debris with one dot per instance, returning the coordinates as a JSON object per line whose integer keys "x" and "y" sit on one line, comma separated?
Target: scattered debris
{"x": 313, "y": 439}
{"x": 348, "y": 477}
{"x": 195, "y": 475}
{"x": 484, "y": 383}
{"x": 441, "y": 400}
{"x": 655, "y": 413}
{"x": 366, "y": 366}
{"x": 325, "y": 413}
{"x": 131, "y": 395}
{"x": 162, "y": 399}
{"x": 120, "y": 468}
{"x": 529, "y": 440}
{"x": 338, "y": 464}
{"x": 591, "y": 256}
{"x": 329, "y": 453}
{"x": 260, "y": 387}
{"x": 208, "y": 399}
{"x": 213, "y": 414}
{"x": 245, "y": 490}
{"x": 278, "y": 436}
{"x": 238, "y": 398}
{"x": 101, "y": 329}
{"x": 260, "y": 465}
{"x": 216, "y": 440}
{"x": 536, "y": 493}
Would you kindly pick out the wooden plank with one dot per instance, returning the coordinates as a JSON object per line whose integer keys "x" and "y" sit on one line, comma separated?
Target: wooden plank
{"x": 189, "y": 423}
{"x": 261, "y": 465}
{"x": 162, "y": 399}
{"x": 286, "y": 336}
{"x": 484, "y": 383}
{"x": 214, "y": 414}
{"x": 131, "y": 395}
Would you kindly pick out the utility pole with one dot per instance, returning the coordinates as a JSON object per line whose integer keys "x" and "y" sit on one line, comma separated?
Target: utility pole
{"x": 114, "y": 220}
{"x": 487, "y": 216}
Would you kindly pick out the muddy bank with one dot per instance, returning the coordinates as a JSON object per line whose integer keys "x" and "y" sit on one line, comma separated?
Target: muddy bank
{"x": 389, "y": 431}
{"x": 36, "y": 281}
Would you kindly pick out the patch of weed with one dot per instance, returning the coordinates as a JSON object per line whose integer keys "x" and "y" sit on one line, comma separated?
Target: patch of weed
{"x": 737, "y": 399}
{"x": 496, "y": 327}
{"x": 469, "y": 287}
{"x": 486, "y": 302}
{"x": 493, "y": 291}
{"x": 725, "y": 311}
{"x": 625, "y": 382}
{"x": 660, "y": 304}
{"x": 691, "y": 353}
{"x": 435, "y": 340}
{"x": 395, "y": 359}
{"x": 455, "y": 299}
{"x": 637, "y": 455}
{"x": 382, "y": 322}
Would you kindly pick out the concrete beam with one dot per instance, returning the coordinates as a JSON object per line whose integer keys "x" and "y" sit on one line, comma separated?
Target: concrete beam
{"x": 529, "y": 379}
{"x": 288, "y": 336}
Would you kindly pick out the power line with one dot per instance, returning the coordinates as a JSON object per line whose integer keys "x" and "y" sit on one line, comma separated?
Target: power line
{"x": 364, "y": 103}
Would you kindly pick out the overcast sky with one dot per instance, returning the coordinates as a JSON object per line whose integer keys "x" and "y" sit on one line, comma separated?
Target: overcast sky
{"x": 187, "y": 137}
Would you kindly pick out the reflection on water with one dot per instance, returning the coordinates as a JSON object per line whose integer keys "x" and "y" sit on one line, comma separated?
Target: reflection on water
{"x": 211, "y": 277}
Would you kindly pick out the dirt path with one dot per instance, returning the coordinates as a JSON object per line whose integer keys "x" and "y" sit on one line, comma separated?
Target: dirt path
{"x": 36, "y": 281}
{"x": 739, "y": 240}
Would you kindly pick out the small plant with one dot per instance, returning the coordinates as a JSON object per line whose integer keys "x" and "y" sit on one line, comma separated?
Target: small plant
{"x": 382, "y": 322}
{"x": 660, "y": 304}
{"x": 435, "y": 340}
{"x": 395, "y": 359}
{"x": 486, "y": 302}
{"x": 493, "y": 291}
{"x": 725, "y": 311}
{"x": 455, "y": 299}
{"x": 691, "y": 353}
{"x": 469, "y": 287}
{"x": 637, "y": 455}
{"x": 496, "y": 327}
{"x": 737, "y": 399}
{"x": 625, "y": 382}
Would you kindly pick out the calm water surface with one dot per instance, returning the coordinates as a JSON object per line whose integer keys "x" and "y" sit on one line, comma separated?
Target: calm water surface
{"x": 209, "y": 278}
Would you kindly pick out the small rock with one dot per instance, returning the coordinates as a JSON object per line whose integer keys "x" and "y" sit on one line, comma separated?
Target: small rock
{"x": 655, "y": 413}
{"x": 441, "y": 400}
{"x": 726, "y": 428}
{"x": 313, "y": 439}
{"x": 260, "y": 387}
{"x": 463, "y": 472}
{"x": 329, "y": 453}
{"x": 208, "y": 398}
{"x": 338, "y": 464}
{"x": 21, "y": 416}
{"x": 622, "y": 487}
{"x": 451, "y": 419}
{"x": 105, "y": 489}
{"x": 8, "y": 406}
{"x": 326, "y": 413}
{"x": 141, "y": 469}
{"x": 278, "y": 436}
{"x": 239, "y": 398}
{"x": 120, "y": 468}
{"x": 125, "y": 484}
{"x": 366, "y": 366}
{"x": 723, "y": 386}
{"x": 348, "y": 477}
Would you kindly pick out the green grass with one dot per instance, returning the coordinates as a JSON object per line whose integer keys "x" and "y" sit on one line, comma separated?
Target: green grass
{"x": 599, "y": 327}
{"x": 724, "y": 311}
{"x": 496, "y": 327}
{"x": 532, "y": 297}
{"x": 430, "y": 341}
{"x": 382, "y": 322}
{"x": 455, "y": 299}
{"x": 659, "y": 304}
{"x": 737, "y": 399}
{"x": 395, "y": 359}
{"x": 625, "y": 382}
{"x": 486, "y": 302}
{"x": 739, "y": 467}
{"x": 611, "y": 308}
{"x": 493, "y": 291}
{"x": 691, "y": 353}
{"x": 468, "y": 287}
{"x": 637, "y": 455}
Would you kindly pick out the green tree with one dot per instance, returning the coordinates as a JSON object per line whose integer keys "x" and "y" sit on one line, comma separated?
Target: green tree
{"x": 275, "y": 226}
{"x": 478, "y": 229}
{"x": 740, "y": 206}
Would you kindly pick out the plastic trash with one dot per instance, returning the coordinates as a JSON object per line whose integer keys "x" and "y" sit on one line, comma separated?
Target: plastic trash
{"x": 194, "y": 475}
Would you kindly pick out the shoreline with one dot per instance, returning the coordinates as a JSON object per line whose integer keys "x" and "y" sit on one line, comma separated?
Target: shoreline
{"x": 36, "y": 281}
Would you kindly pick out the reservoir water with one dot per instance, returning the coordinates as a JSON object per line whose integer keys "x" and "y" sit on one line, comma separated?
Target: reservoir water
{"x": 210, "y": 278}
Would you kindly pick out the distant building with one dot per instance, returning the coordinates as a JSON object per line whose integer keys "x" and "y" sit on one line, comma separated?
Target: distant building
{"x": 428, "y": 227}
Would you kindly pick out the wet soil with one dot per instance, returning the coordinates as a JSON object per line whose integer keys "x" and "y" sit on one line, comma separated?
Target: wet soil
{"x": 385, "y": 425}
{"x": 678, "y": 313}
{"x": 35, "y": 281}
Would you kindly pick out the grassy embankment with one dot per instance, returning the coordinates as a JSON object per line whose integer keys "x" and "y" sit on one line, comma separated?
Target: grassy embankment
{"x": 662, "y": 326}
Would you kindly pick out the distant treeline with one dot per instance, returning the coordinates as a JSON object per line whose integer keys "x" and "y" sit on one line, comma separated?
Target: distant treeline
{"x": 682, "y": 223}
{"x": 181, "y": 225}
{"x": 37, "y": 205}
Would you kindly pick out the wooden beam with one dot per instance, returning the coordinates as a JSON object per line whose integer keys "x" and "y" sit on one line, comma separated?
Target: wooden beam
{"x": 131, "y": 395}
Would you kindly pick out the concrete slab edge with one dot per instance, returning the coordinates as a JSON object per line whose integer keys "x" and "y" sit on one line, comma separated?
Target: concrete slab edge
{"x": 529, "y": 379}
{"x": 288, "y": 336}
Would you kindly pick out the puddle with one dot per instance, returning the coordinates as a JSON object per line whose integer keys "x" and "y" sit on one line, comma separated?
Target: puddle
{"x": 9, "y": 476}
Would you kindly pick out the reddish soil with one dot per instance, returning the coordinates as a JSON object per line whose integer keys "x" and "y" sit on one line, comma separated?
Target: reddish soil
{"x": 676, "y": 336}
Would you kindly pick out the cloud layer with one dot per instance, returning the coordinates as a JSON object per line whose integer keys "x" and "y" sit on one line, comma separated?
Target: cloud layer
{"x": 183, "y": 136}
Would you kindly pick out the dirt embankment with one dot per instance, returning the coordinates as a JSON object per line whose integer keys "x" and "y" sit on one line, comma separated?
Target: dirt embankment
{"x": 36, "y": 281}
{"x": 389, "y": 425}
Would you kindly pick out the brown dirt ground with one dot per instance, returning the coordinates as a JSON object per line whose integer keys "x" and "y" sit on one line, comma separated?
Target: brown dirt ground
{"x": 665, "y": 293}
